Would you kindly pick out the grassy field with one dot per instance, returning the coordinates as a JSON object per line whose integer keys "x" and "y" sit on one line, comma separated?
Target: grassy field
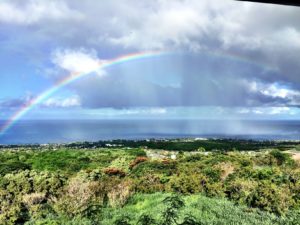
{"x": 203, "y": 209}
{"x": 64, "y": 185}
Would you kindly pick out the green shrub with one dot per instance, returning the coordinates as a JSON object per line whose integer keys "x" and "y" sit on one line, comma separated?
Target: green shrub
{"x": 187, "y": 183}
{"x": 173, "y": 204}
{"x": 269, "y": 197}
{"x": 49, "y": 183}
{"x": 137, "y": 152}
{"x": 241, "y": 190}
{"x": 87, "y": 186}
{"x": 18, "y": 182}
{"x": 26, "y": 182}
{"x": 122, "y": 220}
{"x": 193, "y": 158}
{"x": 146, "y": 220}
{"x": 92, "y": 175}
{"x": 14, "y": 213}
{"x": 214, "y": 174}
{"x": 159, "y": 167}
{"x": 263, "y": 173}
{"x": 78, "y": 197}
{"x": 119, "y": 194}
{"x": 149, "y": 183}
{"x": 281, "y": 157}
{"x": 121, "y": 163}
{"x": 190, "y": 220}
{"x": 214, "y": 189}
{"x": 65, "y": 161}
{"x": 13, "y": 166}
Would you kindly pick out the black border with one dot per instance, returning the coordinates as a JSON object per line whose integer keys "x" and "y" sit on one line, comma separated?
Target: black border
{"x": 293, "y": 3}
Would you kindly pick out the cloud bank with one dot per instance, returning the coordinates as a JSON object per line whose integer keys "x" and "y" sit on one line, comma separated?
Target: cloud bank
{"x": 74, "y": 36}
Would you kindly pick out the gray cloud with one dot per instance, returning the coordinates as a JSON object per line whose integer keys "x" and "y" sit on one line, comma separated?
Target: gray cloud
{"x": 15, "y": 103}
{"x": 12, "y": 103}
{"x": 263, "y": 33}
{"x": 201, "y": 85}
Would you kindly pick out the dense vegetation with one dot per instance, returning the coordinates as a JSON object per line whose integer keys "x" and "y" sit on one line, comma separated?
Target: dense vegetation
{"x": 64, "y": 185}
{"x": 191, "y": 144}
{"x": 179, "y": 144}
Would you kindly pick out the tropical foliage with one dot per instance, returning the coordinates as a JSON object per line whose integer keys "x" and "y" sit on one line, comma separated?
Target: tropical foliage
{"x": 128, "y": 186}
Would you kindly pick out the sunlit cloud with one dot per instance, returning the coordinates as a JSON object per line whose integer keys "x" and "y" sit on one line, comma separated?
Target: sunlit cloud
{"x": 34, "y": 11}
{"x": 267, "y": 111}
{"x": 78, "y": 61}
{"x": 73, "y": 101}
{"x": 64, "y": 37}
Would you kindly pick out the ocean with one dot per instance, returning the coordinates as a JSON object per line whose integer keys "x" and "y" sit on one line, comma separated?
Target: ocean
{"x": 65, "y": 131}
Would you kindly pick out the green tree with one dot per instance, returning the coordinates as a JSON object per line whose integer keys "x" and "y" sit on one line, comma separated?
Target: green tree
{"x": 146, "y": 220}
{"x": 174, "y": 203}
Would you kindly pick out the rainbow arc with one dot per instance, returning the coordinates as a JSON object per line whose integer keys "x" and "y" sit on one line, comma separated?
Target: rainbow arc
{"x": 102, "y": 65}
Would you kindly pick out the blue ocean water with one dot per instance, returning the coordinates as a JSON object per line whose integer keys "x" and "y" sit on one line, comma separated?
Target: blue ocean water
{"x": 65, "y": 131}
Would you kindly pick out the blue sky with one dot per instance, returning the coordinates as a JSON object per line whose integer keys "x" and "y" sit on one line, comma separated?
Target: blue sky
{"x": 41, "y": 42}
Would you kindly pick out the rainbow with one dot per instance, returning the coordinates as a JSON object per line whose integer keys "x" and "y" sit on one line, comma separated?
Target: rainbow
{"x": 71, "y": 78}
{"x": 102, "y": 65}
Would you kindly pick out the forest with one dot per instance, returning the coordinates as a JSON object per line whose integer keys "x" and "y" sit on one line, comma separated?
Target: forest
{"x": 68, "y": 184}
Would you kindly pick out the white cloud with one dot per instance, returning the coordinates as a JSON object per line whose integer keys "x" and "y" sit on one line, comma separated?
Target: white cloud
{"x": 257, "y": 111}
{"x": 243, "y": 111}
{"x": 280, "y": 110}
{"x": 287, "y": 37}
{"x": 78, "y": 61}
{"x": 172, "y": 26}
{"x": 266, "y": 34}
{"x": 73, "y": 101}
{"x": 144, "y": 111}
{"x": 34, "y": 11}
{"x": 274, "y": 90}
{"x": 197, "y": 24}
{"x": 190, "y": 24}
{"x": 267, "y": 111}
